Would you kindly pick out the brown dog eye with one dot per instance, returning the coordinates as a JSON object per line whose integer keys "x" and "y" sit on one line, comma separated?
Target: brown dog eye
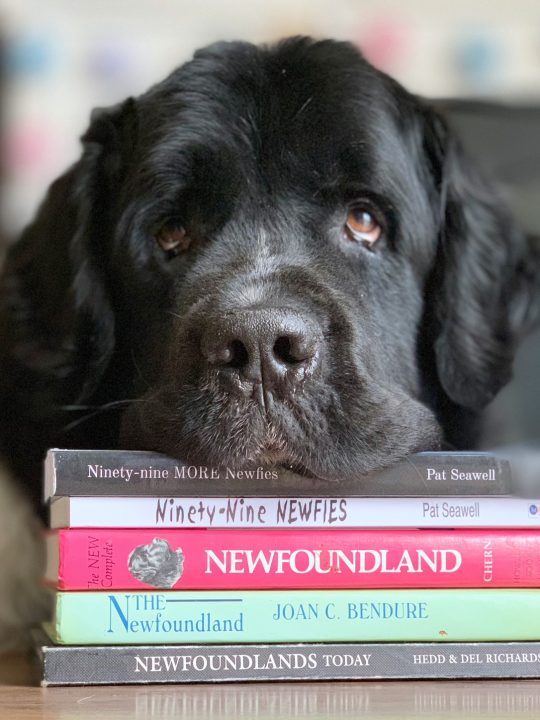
{"x": 173, "y": 239}
{"x": 361, "y": 225}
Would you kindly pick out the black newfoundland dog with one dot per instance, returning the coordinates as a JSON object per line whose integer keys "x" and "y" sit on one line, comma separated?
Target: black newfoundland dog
{"x": 275, "y": 256}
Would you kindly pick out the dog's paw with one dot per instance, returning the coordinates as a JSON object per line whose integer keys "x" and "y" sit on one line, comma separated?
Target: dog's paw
{"x": 23, "y": 601}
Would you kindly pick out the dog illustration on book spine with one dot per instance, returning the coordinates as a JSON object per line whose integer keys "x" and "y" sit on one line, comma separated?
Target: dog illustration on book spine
{"x": 157, "y": 564}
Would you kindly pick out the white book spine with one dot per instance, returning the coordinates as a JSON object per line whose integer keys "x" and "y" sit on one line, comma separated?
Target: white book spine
{"x": 147, "y": 512}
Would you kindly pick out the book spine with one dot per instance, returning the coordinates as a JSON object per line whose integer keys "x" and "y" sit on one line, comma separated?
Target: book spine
{"x": 117, "y": 472}
{"x": 112, "y": 559}
{"x": 137, "y": 512}
{"x": 296, "y": 616}
{"x": 101, "y": 665}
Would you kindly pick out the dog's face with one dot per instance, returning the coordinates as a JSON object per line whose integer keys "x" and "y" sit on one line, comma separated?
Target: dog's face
{"x": 279, "y": 256}
{"x": 156, "y": 563}
{"x": 276, "y": 234}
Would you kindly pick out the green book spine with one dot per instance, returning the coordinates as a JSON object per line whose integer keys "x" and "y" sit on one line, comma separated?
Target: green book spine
{"x": 88, "y": 618}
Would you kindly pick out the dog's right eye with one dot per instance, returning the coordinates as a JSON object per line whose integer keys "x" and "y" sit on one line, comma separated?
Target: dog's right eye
{"x": 173, "y": 239}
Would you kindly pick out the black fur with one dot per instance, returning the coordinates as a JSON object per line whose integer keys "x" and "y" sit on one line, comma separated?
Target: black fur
{"x": 259, "y": 152}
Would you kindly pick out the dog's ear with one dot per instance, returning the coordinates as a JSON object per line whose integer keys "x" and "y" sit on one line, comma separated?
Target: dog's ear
{"x": 56, "y": 320}
{"x": 486, "y": 283}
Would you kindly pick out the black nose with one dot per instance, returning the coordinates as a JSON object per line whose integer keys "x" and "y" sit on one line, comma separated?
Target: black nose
{"x": 267, "y": 347}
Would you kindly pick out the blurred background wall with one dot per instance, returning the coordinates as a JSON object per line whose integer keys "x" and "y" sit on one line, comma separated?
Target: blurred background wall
{"x": 63, "y": 57}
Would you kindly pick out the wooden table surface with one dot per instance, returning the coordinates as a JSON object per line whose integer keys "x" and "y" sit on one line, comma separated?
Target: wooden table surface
{"x": 21, "y": 699}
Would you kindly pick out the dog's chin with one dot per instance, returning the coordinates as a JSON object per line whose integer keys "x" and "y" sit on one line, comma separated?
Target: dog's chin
{"x": 133, "y": 437}
{"x": 214, "y": 436}
{"x": 290, "y": 463}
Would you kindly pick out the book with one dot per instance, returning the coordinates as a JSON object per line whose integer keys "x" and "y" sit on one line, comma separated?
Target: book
{"x": 124, "y": 664}
{"x": 121, "y": 472}
{"x": 273, "y": 616}
{"x": 170, "y": 512}
{"x": 116, "y": 559}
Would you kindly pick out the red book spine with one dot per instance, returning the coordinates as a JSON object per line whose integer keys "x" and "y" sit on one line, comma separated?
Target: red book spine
{"x": 125, "y": 559}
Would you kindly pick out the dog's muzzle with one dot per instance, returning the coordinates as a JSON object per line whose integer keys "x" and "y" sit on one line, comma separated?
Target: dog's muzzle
{"x": 262, "y": 353}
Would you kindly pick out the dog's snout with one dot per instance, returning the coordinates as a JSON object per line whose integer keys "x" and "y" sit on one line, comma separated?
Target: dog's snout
{"x": 264, "y": 347}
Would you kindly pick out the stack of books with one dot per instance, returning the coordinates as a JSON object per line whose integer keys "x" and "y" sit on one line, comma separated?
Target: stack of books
{"x": 164, "y": 572}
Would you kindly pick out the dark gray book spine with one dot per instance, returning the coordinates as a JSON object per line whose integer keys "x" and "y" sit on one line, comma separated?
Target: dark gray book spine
{"x": 117, "y": 472}
{"x": 96, "y": 665}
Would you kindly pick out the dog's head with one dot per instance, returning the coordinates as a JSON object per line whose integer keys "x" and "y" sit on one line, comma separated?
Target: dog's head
{"x": 156, "y": 564}
{"x": 277, "y": 255}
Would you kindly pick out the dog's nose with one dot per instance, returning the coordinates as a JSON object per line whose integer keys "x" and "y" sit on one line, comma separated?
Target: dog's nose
{"x": 266, "y": 347}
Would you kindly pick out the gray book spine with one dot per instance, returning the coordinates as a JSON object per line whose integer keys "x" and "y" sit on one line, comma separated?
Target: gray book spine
{"x": 118, "y": 472}
{"x": 241, "y": 663}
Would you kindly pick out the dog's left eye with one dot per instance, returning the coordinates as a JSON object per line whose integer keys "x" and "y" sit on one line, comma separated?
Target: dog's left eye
{"x": 173, "y": 239}
{"x": 362, "y": 225}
